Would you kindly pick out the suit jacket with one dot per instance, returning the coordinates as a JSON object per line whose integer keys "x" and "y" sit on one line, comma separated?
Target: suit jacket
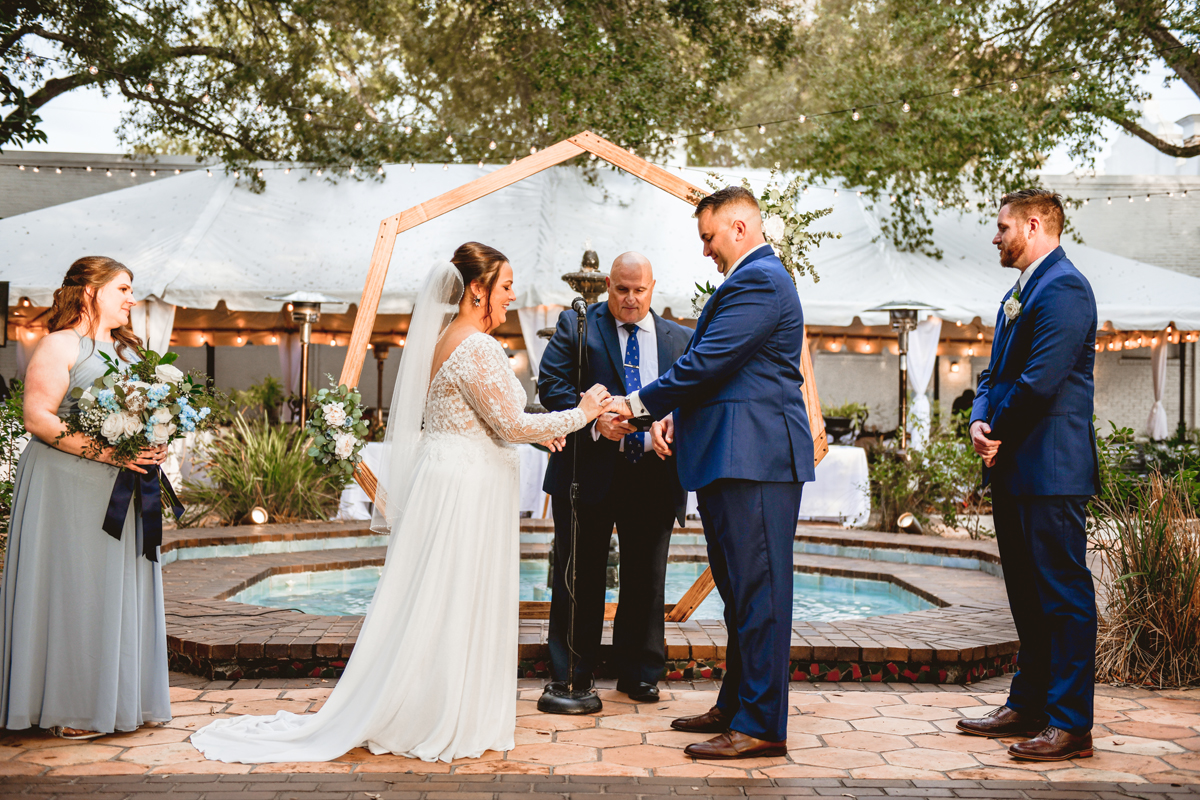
{"x": 1037, "y": 392}
{"x": 604, "y": 364}
{"x": 736, "y": 394}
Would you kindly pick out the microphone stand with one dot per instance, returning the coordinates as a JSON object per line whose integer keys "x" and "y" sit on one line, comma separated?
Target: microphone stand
{"x": 575, "y": 700}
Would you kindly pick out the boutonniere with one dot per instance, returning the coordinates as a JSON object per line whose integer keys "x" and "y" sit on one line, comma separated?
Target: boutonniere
{"x": 1012, "y": 306}
{"x": 701, "y": 298}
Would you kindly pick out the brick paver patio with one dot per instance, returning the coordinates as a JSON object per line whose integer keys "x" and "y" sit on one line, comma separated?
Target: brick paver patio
{"x": 840, "y": 733}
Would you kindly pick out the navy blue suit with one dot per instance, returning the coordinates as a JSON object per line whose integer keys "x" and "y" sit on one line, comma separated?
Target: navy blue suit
{"x": 744, "y": 445}
{"x": 1037, "y": 396}
{"x": 641, "y": 499}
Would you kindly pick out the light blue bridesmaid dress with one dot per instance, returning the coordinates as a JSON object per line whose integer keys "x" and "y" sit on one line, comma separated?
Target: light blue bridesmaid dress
{"x": 84, "y": 642}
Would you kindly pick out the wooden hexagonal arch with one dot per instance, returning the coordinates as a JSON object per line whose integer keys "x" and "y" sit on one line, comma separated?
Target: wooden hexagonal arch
{"x": 585, "y": 142}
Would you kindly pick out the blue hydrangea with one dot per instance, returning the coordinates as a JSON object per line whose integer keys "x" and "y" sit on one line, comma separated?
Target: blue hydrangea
{"x": 107, "y": 398}
{"x": 158, "y": 392}
{"x": 204, "y": 412}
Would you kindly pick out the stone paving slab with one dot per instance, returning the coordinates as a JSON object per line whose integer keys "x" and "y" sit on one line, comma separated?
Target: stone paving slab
{"x": 887, "y": 736}
{"x": 402, "y": 786}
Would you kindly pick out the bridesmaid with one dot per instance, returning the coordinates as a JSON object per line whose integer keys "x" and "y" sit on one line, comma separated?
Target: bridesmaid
{"x": 84, "y": 646}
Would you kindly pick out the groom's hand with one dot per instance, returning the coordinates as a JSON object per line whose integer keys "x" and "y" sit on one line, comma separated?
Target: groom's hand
{"x": 985, "y": 447}
{"x": 620, "y": 407}
{"x": 662, "y": 435}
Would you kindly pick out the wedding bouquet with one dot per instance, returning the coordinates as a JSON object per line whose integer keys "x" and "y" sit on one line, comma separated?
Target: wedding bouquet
{"x": 144, "y": 404}
{"x": 337, "y": 429}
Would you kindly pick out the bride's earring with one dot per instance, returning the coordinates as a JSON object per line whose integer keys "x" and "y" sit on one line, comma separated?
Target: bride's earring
{"x": 477, "y": 300}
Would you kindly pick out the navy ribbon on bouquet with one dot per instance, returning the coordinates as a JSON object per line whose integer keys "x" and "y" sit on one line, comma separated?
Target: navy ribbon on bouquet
{"x": 148, "y": 489}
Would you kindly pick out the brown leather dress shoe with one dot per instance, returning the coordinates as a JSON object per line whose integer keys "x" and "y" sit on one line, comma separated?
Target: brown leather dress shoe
{"x": 736, "y": 745}
{"x": 1054, "y": 744}
{"x": 1003, "y": 722}
{"x": 711, "y": 721}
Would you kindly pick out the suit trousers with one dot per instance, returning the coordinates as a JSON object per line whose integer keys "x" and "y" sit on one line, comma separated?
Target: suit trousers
{"x": 1043, "y": 549}
{"x": 644, "y": 514}
{"x": 750, "y": 527}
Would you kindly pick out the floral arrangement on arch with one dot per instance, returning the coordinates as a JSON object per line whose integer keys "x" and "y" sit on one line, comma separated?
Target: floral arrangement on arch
{"x": 338, "y": 429}
{"x": 786, "y": 228}
{"x": 147, "y": 403}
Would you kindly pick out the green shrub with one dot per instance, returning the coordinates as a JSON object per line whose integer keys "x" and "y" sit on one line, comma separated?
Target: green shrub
{"x": 12, "y": 430}
{"x": 266, "y": 397}
{"x": 945, "y": 477}
{"x": 255, "y": 463}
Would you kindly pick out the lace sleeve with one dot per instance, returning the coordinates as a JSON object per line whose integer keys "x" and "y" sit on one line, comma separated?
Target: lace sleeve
{"x": 488, "y": 384}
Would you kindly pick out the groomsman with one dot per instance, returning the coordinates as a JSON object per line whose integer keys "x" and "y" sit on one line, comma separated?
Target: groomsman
{"x": 1032, "y": 425}
{"x": 621, "y": 481}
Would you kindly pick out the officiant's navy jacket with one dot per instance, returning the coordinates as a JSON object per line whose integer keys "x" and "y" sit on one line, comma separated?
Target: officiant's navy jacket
{"x": 604, "y": 364}
{"x": 1037, "y": 391}
{"x": 736, "y": 391}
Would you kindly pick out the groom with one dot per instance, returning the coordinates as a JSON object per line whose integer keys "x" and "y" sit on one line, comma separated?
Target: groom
{"x": 745, "y": 448}
{"x": 1032, "y": 425}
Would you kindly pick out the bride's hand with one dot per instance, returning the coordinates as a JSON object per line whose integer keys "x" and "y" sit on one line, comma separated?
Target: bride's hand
{"x": 555, "y": 445}
{"x": 595, "y": 401}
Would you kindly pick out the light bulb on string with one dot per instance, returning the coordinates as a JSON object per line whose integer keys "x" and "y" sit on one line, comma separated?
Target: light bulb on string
{"x": 591, "y": 156}
{"x": 408, "y": 129}
{"x": 449, "y": 139}
{"x": 150, "y": 88}
{"x": 153, "y": 172}
{"x": 1131, "y": 198}
{"x": 835, "y": 193}
{"x": 58, "y": 171}
{"x": 762, "y": 128}
{"x": 380, "y": 170}
{"x": 939, "y": 202}
{"x": 88, "y": 168}
{"x": 955, "y": 92}
{"x": 204, "y": 98}
{"x": 891, "y": 198}
{"x": 351, "y": 169}
{"x": 806, "y": 190}
{"x": 803, "y": 118}
{"x": 287, "y": 170}
{"x": 108, "y": 173}
{"x": 258, "y": 108}
{"x": 514, "y": 160}
{"x": 238, "y": 174}
{"x": 1170, "y": 194}
{"x": 854, "y": 115}
{"x": 259, "y": 173}
{"x": 1085, "y": 201}
{"x": 906, "y": 108}
{"x": 629, "y": 150}
{"x": 132, "y": 174}
{"x": 320, "y": 172}
{"x": 492, "y": 144}
{"x": 532, "y": 150}
{"x": 308, "y": 116}
{"x": 860, "y": 192}
{"x": 445, "y": 167}
{"x": 1075, "y": 75}
{"x": 21, "y": 167}
{"x": 412, "y": 167}
{"x": 1147, "y": 198}
{"x": 209, "y": 171}
{"x": 92, "y": 69}
{"x": 1110, "y": 201}
{"x": 1012, "y": 87}
{"x": 358, "y": 126}
{"x": 1137, "y": 62}
{"x": 36, "y": 169}
{"x": 480, "y": 164}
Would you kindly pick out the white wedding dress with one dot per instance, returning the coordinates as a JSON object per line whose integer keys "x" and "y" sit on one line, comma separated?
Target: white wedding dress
{"x": 433, "y": 673}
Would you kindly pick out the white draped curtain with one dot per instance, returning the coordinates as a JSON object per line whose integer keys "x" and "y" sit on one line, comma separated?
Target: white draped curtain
{"x": 152, "y": 320}
{"x": 289, "y": 366}
{"x": 922, "y": 354}
{"x": 532, "y": 320}
{"x": 1156, "y": 425}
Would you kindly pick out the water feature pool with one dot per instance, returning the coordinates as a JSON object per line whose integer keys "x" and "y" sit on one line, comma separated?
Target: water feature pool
{"x": 816, "y": 597}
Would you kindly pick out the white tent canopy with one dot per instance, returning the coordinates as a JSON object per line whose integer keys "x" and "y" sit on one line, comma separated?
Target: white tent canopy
{"x": 193, "y": 240}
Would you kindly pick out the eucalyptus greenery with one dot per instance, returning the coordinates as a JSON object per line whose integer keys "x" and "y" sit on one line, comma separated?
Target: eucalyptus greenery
{"x": 337, "y": 430}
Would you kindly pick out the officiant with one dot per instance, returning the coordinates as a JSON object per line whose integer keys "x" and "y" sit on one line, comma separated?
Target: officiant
{"x": 621, "y": 481}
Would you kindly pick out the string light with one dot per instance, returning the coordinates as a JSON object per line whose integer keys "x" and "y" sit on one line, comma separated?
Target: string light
{"x": 108, "y": 173}
{"x": 320, "y": 172}
{"x": 762, "y": 128}
{"x": 358, "y": 126}
{"x": 153, "y": 172}
{"x": 380, "y": 170}
{"x": 35, "y": 169}
{"x": 480, "y": 165}
{"x": 412, "y": 167}
{"x": 532, "y": 151}
{"x": 906, "y": 108}
{"x": 205, "y": 99}
{"x": 259, "y": 173}
{"x": 92, "y": 69}
{"x": 445, "y": 167}
{"x": 258, "y": 108}
{"x": 238, "y": 174}
{"x": 1012, "y": 87}
{"x": 955, "y": 92}
{"x": 351, "y": 169}
{"x": 1075, "y": 75}
{"x": 58, "y": 171}
{"x": 854, "y": 115}
{"x": 407, "y": 129}
{"x": 287, "y": 171}
{"x": 1147, "y": 198}
{"x": 21, "y": 167}
{"x": 89, "y": 169}
{"x": 1110, "y": 201}
{"x": 492, "y": 144}
{"x": 803, "y": 118}
{"x": 307, "y": 116}
{"x": 449, "y": 139}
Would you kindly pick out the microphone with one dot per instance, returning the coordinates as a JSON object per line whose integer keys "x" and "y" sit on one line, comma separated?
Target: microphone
{"x": 580, "y": 306}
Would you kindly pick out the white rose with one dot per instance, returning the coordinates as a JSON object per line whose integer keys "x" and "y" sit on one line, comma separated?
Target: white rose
{"x": 1012, "y": 308}
{"x": 113, "y": 427}
{"x": 168, "y": 373}
{"x": 699, "y": 302}
{"x": 135, "y": 401}
{"x": 344, "y": 444}
{"x": 161, "y": 415}
{"x": 162, "y": 432}
{"x": 132, "y": 423}
{"x": 334, "y": 414}
{"x": 774, "y": 227}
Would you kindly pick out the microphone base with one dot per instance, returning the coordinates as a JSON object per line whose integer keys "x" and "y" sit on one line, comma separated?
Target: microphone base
{"x": 565, "y": 701}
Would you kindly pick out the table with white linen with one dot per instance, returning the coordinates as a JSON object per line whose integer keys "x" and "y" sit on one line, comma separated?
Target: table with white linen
{"x": 355, "y": 504}
{"x": 840, "y": 492}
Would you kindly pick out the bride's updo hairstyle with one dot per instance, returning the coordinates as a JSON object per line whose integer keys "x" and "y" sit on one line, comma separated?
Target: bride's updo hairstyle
{"x": 72, "y": 304}
{"x": 480, "y": 263}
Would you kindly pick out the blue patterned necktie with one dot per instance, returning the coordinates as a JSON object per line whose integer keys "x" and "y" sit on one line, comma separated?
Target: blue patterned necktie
{"x": 634, "y": 442}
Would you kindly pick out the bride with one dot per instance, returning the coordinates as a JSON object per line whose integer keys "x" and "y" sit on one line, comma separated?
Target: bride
{"x": 433, "y": 673}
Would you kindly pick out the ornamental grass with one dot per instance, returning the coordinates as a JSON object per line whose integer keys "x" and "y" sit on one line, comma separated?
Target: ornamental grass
{"x": 1148, "y": 538}
{"x": 255, "y": 463}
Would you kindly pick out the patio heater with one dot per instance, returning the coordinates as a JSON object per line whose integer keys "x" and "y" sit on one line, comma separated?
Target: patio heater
{"x": 306, "y": 310}
{"x": 588, "y": 280}
{"x": 903, "y": 315}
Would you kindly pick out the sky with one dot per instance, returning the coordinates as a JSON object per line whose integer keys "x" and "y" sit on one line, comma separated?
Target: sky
{"x": 84, "y": 121}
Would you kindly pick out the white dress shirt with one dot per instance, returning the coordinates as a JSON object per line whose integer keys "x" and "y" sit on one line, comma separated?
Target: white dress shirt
{"x": 635, "y": 405}
{"x": 647, "y": 362}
